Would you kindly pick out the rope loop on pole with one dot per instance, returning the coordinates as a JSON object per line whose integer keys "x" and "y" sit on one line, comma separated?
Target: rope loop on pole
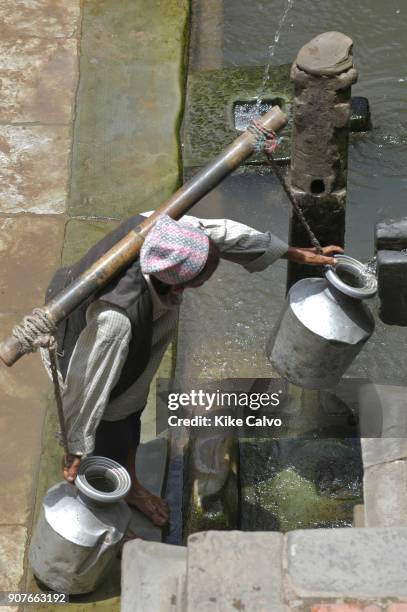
{"x": 266, "y": 138}
{"x": 33, "y": 330}
{"x": 36, "y": 331}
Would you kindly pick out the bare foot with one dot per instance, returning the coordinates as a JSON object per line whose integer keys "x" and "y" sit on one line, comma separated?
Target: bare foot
{"x": 153, "y": 507}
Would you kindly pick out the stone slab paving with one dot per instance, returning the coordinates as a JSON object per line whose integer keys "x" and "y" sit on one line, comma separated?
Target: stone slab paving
{"x": 129, "y": 104}
{"x": 45, "y": 19}
{"x": 150, "y": 574}
{"x": 229, "y": 571}
{"x": 31, "y": 246}
{"x": 38, "y": 79}
{"x": 33, "y": 168}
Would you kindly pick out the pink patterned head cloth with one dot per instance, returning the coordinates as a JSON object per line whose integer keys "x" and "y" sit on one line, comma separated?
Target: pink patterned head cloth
{"x": 174, "y": 252}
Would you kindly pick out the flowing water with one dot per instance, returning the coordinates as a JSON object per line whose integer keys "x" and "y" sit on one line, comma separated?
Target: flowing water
{"x": 271, "y": 52}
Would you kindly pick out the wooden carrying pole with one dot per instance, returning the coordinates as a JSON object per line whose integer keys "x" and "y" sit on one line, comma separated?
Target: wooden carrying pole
{"x": 126, "y": 250}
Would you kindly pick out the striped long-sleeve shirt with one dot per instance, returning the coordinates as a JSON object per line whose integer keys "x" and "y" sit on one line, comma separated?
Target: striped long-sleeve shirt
{"x": 102, "y": 347}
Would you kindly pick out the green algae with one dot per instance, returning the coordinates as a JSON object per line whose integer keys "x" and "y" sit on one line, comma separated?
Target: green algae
{"x": 211, "y": 96}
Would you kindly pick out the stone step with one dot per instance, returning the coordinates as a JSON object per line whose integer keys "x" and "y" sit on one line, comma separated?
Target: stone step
{"x": 266, "y": 571}
{"x": 359, "y": 564}
{"x": 234, "y": 570}
{"x": 151, "y": 469}
{"x": 152, "y": 577}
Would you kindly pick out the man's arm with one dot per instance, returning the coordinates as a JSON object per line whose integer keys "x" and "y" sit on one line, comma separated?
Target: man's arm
{"x": 94, "y": 369}
{"x": 240, "y": 243}
{"x": 253, "y": 249}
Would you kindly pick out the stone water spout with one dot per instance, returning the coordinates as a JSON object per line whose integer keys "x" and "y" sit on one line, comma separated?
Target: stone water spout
{"x": 322, "y": 74}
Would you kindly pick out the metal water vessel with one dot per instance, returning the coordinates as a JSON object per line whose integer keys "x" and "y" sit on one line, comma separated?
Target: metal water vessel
{"x": 324, "y": 325}
{"x": 80, "y": 527}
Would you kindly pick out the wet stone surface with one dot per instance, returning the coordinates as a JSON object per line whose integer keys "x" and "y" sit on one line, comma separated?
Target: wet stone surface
{"x": 34, "y": 168}
{"x": 299, "y": 484}
{"x": 38, "y": 78}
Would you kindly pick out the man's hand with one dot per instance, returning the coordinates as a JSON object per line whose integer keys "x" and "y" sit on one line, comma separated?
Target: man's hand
{"x": 70, "y": 466}
{"x": 310, "y": 256}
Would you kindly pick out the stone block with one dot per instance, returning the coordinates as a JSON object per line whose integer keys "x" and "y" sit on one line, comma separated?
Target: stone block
{"x": 45, "y": 19}
{"x": 392, "y": 286}
{"x": 34, "y": 168}
{"x": 151, "y": 574}
{"x": 385, "y": 495}
{"x": 31, "y": 246}
{"x": 12, "y": 548}
{"x": 383, "y": 423}
{"x": 125, "y": 151}
{"x": 151, "y": 469}
{"x": 234, "y": 570}
{"x": 38, "y": 80}
{"x": 391, "y": 234}
{"x": 361, "y": 563}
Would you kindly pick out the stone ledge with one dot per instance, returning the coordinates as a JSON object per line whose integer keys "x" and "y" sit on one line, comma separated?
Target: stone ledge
{"x": 359, "y": 563}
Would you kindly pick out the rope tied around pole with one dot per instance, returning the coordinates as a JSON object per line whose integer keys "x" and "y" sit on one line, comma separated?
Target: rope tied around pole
{"x": 266, "y": 138}
{"x": 268, "y": 141}
{"x": 36, "y": 331}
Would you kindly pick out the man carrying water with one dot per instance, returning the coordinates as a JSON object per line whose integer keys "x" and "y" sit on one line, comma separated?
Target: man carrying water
{"x": 112, "y": 345}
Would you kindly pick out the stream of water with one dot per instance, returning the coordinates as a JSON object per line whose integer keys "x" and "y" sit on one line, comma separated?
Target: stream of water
{"x": 271, "y": 52}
